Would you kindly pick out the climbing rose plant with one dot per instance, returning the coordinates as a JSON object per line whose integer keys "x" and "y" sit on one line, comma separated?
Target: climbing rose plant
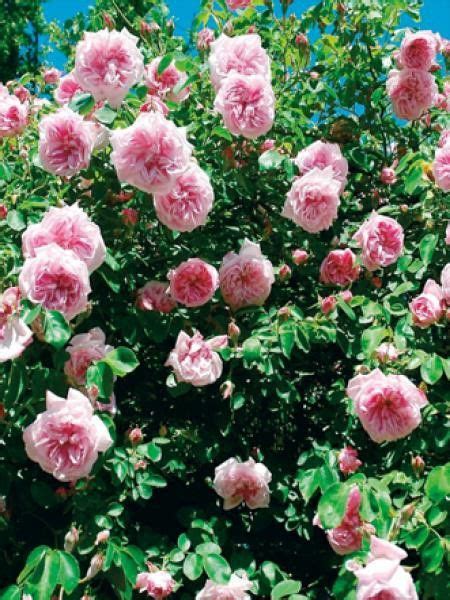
{"x": 225, "y": 299}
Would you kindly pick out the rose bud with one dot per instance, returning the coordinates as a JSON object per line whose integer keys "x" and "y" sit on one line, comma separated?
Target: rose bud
{"x": 102, "y": 537}
{"x": 328, "y": 304}
{"x": 140, "y": 465}
{"x": 135, "y": 436}
{"x": 346, "y": 296}
{"x": 386, "y": 352}
{"x": 22, "y": 93}
{"x": 417, "y": 464}
{"x": 299, "y": 256}
{"x": 377, "y": 282}
{"x": 314, "y": 75}
{"x": 284, "y": 272}
{"x": 226, "y": 389}
{"x": 71, "y": 538}
{"x": 388, "y": 176}
{"x": 130, "y": 216}
{"x": 233, "y": 331}
{"x": 95, "y": 566}
{"x": 301, "y": 40}
{"x": 149, "y": 28}
{"x": 404, "y": 208}
{"x": 267, "y": 145}
{"x": 348, "y": 460}
{"x": 3, "y": 212}
{"x": 108, "y": 21}
{"x": 51, "y": 76}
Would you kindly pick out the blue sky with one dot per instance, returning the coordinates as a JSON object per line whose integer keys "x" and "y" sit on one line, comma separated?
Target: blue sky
{"x": 435, "y": 15}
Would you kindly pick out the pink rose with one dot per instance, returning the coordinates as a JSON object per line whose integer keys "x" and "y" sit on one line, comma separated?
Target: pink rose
{"x": 346, "y": 296}
{"x": 205, "y": 38}
{"x": 441, "y": 168}
{"x": 241, "y": 54}
{"x": 158, "y": 584}
{"x": 70, "y": 228}
{"x": 247, "y": 105}
{"x": 238, "y": 4}
{"x": 154, "y": 103}
{"x": 151, "y": 153}
{"x": 163, "y": 84}
{"x": 347, "y": 536}
{"x": 130, "y": 216}
{"x": 193, "y": 282}
{"x": 412, "y": 92}
{"x": 320, "y": 155}
{"x": 447, "y": 234}
{"x": 381, "y": 240}
{"x": 429, "y": 306}
{"x": 445, "y": 282}
{"x": 65, "y": 439}
{"x": 57, "y": 279}
{"x": 235, "y": 589}
{"x": 243, "y": 482}
{"x": 444, "y": 138}
{"x": 386, "y": 352}
{"x": 328, "y": 304}
{"x": 84, "y": 349}
{"x": 15, "y": 335}
{"x": 13, "y": 115}
{"x": 339, "y": 268}
{"x": 348, "y": 460}
{"x": 51, "y": 76}
{"x": 22, "y": 93}
{"x": 67, "y": 88}
{"x": 194, "y": 359}
{"x": 299, "y": 256}
{"x": 388, "y": 176}
{"x": 313, "y": 200}
{"x": 383, "y": 576}
{"x": 388, "y": 406}
{"x": 155, "y": 296}
{"x": 108, "y": 64}
{"x": 187, "y": 204}
{"x": 246, "y": 278}
{"x": 66, "y": 142}
{"x": 418, "y": 50}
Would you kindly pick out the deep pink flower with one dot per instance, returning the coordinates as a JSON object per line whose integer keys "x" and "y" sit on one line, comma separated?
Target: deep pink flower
{"x": 339, "y": 268}
{"x": 13, "y": 115}
{"x": 158, "y": 584}
{"x": 247, "y": 105}
{"x": 193, "y": 283}
{"x": 167, "y": 83}
{"x": 381, "y": 240}
{"x": 429, "y": 307}
{"x": 242, "y": 54}
{"x": 388, "y": 176}
{"x": 412, "y": 92}
{"x": 238, "y": 4}
{"x": 57, "y": 279}
{"x": 388, "y": 406}
{"x": 67, "y": 88}
{"x": 320, "y": 155}
{"x": 187, "y": 204}
{"x": 84, "y": 349}
{"x": 328, "y": 304}
{"x": 66, "y": 142}
{"x": 155, "y": 296}
{"x": 108, "y": 64}
{"x": 441, "y": 168}
{"x": 194, "y": 359}
{"x": 313, "y": 200}
{"x": 348, "y": 460}
{"x": 246, "y": 278}
{"x": 418, "y": 50}
{"x": 70, "y": 228}
{"x": 246, "y": 482}
{"x": 151, "y": 153}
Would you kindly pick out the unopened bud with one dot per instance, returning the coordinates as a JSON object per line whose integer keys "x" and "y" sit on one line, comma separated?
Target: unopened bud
{"x": 140, "y": 465}
{"x": 108, "y": 21}
{"x": 301, "y": 40}
{"x": 284, "y": 272}
{"x": 328, "y": 304}
{"x": 346, "y": 296}
{"x": 3, "y": 212}
{"x": 71, "y": 539}
{"x": 404, "y": 208}
{"x": 417, "y": 464}
{"x": 136, "y": 436}
{"x": 226, "y": 389}
{"x": 233, "y": 331}
{"x": 95, "y": 566}
{"x": 102, "y": 537}
{"x": 299, "y": 257}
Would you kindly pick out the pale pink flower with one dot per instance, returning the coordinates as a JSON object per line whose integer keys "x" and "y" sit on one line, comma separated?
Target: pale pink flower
{"x": 158, "y": 584}
{"x": 51, "y": 76}
{"x": 67, "y": 88}
{"x": 383, "y": 577}
{"x": 108, "y": 64}
{"x": 167, "y": 83}
{"x": 447, "y": 234}
{"x": 85, "y": 349}
{"x": 445, "y": 282}
{"x": 102, "y": 537}
{"x": 441, "y": 168}
{"x": 187, "y": 204}
{"x": 238, "y": 4}
{"x": 313, "y": 200}
{"x": 320, "y": 155}
{"x": 328, "y": 304}
{"x": 418, "y": 50}
{"x": 15, "y": 335}
{"x": 70, "y": 228}
{"x": 348, "y": 460}
{"x": 381, "y": 240}
{"x": 66, "y": 142}
{"x": 246, "y": 278}
{"x": 386, "y": 352}
{"x": 388, "y": 176}
{"x": 444, "y": 138}
{"x": 57, "y": 279}
{"x": 346, "y": 296}
{"x": 205, "y": 38}
{"x": 154, "y": 103}
{"x": 13, "y": 115}
{"x": 339, "y": 268}
{"x": 194, "y": 359}
{"x": 151, "y": 153}
{"x": 412, "y": 92}
{"x": 155, "y": 296}
{"x": 66, "y": 438}
{"x": 428, "y": 307}
{"x": 347, "y": 536}
{"x": 241, "y": 54}
{"x": 243, "y": 482}
{"x": 299, "y": 256}
{"x": 193, "y": 283}
{"x": 247, "y": 105}
{"x": 388, "y": 406}
{"x": 235, "y": 589}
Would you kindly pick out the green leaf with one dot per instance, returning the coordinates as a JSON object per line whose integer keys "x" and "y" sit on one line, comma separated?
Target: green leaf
{"x": 45, "y": 577}
{"x": 11, "y": 593}
{"x": 150, "y": 450}
{"x": 332, "y": 505}
{"x": 121, "y": 360}
{"x": 101, "y": 376}
{"x": 69, "y": 572}
{"x": 437, "y": 485}
{"x": 105, "y": 115}
{"x": 432, "y": 369}
{"x": 208, "y": 548}
{"x": 34, "y": 558}
{"x": 287, "y": 338}
{"x": 427, "y": 246}
{"x": 193, "y": 566}
{"x": 371, "y": 339}
{"x": 432, "y": 554}
{"x": 308, "y": 482}
{"x": 129, "y": 567}
{"x": 346, "y": 309}
{"x": 251, "y": 349}
{"x": 285, "y": 588}
{"x": 217, "y": 568}
{"x": 183, "y": 542}
{"x": 16, "y": 220}
{"x": 223, "y": 133}
{"x": 164, "y": 63}
{"x": 271, "y": 159}
{"x": 417, "y": 537}
{"x": 413, "y": 178}
{"x": 57, "y": 331}
{"x": 82, "y": 104}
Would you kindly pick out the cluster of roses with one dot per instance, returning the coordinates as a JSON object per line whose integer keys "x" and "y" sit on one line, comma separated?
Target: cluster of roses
{"x": 431, "y": 305}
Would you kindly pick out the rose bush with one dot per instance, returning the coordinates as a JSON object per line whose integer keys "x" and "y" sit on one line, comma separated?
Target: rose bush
{"x": 224, "y": 310}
